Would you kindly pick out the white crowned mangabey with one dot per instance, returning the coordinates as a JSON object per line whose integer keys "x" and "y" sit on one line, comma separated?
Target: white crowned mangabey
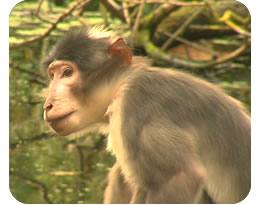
{"x": 176, "y": 138}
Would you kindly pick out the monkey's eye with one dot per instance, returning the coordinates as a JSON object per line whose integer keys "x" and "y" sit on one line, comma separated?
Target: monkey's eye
{"x": 67, "y": 73}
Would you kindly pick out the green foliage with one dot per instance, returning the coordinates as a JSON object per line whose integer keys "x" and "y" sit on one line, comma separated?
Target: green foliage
{"x": 45, "y": 168}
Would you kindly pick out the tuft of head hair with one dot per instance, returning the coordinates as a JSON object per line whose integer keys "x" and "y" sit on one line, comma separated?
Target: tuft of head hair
{"x": 98, "y": 32}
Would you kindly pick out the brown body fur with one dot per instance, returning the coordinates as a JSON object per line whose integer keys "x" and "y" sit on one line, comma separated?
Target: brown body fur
{"x": 188, "y": 123}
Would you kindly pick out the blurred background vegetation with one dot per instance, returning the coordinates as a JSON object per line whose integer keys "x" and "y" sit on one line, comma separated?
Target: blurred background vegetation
{"x": 209, "y": 38}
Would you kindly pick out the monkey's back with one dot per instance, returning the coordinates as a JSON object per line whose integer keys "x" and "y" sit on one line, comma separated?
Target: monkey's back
{"x": 219, "y": 128}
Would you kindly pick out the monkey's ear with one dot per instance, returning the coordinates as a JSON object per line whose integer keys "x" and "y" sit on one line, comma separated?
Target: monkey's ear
{"x": 120, "y": 48}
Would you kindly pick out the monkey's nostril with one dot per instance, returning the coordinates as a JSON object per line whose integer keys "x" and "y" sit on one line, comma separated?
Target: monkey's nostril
{"x": 48, "y": 107}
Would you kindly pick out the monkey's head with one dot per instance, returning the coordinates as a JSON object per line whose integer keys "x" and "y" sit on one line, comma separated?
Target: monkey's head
{"x": 81, "y": 68}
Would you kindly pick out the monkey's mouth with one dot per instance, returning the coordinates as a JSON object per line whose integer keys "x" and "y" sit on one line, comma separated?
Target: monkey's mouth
{"x": 57, "y": 119}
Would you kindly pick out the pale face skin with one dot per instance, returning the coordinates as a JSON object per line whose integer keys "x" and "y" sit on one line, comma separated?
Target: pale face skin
{"x": 67, "y": 108}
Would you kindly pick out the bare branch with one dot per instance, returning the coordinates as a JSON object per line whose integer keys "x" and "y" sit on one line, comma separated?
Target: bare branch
{"x": 114, "y": 9}
{"x": 194, "y": 45}
{"x": 172, "y": 2}
{"x": 38, "y": 77}
{"x": 82, "y": 8}
{"x": 162, "y": 12}
{"x": 226, "y": 18}
{"x": 38, "y": 7}
{"x": 158, "y": 53}
{"x": 126, "y": 13}
{"x": 136, "y": 25}
{"x": 231, "y": 55}
{"x": 17, "y": 67}
{"x": 182, "y": 28}
{"x": 31, "y": 140}
{"x": 48, "y": 31}
{"x": 44, "y": 19}
{"x": 33, "y": 182}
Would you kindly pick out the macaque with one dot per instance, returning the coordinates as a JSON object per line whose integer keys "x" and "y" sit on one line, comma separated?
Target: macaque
{"x": 176, "y": 138}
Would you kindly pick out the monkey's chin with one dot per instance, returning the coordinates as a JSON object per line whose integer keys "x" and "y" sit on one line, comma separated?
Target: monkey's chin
{"x": 60, "y": 129}
{"x": 65, "y": 126}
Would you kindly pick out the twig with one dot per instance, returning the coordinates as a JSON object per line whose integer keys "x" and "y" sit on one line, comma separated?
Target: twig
{"x": 197, "y": 46}
{"x": 82, "y": 8}
{"x": 114, "y": 8}
{"x": 48, "y": 31}
{"x": 211, "y": 9}
{"x": 177, "y": 3}
{"x": 126, "y": 14}
{"x": 152, "y": 20}
{"x": 103, "y": 11}
{"x": 194, "y": 45}
{"x": 81, "y": 158}
{"x": 78, "y": 14}
{"x": 38, "y": 7}
{"x": 31, "y": 140}
{"x": 136, "y": 25}
{"x": 162, "y": 12}
{"x": 44, "y": 19}
{"x": 226, "y": 18}
{"x": 187, "y": 52}
{"x": 182, "y": 28}
{"x": 215, "y": 27}
{"x": 158, "y": 53}
{"x": 41, "y": 186}
{"x": 230, "y": 56}
{"x": 17, "y": 67}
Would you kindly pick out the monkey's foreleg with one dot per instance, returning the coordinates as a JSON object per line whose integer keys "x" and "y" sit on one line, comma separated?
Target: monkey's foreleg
{"x": 117, "y": 191}
{"x": 139, "y": 196}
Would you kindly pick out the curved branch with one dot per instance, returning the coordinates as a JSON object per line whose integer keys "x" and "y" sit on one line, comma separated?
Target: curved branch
{"x": 48, "y": 31}
{"x": 155, "y": 18}
{"x": 159, "y": 54}
{"x": 41, "y": 186}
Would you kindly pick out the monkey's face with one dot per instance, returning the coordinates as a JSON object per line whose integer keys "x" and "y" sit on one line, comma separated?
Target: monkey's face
{"x": 67, "y": 108}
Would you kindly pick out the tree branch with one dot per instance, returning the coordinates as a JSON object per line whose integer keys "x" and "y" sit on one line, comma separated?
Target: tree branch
{"x": 155, "y": 18}
{"x": 182, "y": 28}
{"x": 136, "y": 25}
{"x": 17, "y": 67}
{"x": 126, "y": 14}
{"x": 48, "y": 31}
{"x": 38, "y": 77}
{"x": 41, "y": 186}
{"x": 38, "y": 7}
{"x": 172, "y": 2}
{"x": 31, "y": 140}
{"x": 114, "y": 9}
{"x": 159, "y": 54}
{"x": 194, "y": 45}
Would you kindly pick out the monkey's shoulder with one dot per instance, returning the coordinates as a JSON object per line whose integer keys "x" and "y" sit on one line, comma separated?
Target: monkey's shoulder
{"x": 156, "y": 83}
{"x": 171, "y": 92}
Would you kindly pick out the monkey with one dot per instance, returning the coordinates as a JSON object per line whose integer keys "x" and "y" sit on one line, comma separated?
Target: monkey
{"x": 176, "y": 138}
